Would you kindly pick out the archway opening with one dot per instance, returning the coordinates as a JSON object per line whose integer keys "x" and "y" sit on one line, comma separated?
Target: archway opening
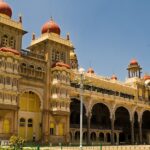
{"x": 122, "y": 123}
{"x": 93, "y": 136}
{"x": 101, "y": 137}
{"x": 75, "y": 114}
{"x": 146, "y": 127}
{"x": 100, "y": 117}
{"x": 77, "y": 135}
{"x": 85, "y": 136}
{"x": 108, "y": 137}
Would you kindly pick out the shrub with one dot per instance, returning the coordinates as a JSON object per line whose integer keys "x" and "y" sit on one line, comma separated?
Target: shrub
{"x": 16, "y": 142}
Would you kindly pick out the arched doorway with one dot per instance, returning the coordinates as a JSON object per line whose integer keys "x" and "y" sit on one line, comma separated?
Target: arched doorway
{"x": 100, "y": 117}
{"x": 75, "y": 114}
{"x": 93, "y": 136}
{"x": 85, "y": 137}
{"x": 29, "y": 116}
{"x": 101, "y": 137}
{"x": 77, "y": 135}
{"x": 122, "y": 122}
{"x": 146, "y": 127}
{"x": 136, "y": 128}
{"x": 108, "y": 137}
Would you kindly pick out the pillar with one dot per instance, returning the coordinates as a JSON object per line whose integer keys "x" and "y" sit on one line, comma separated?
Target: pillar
{"x": 117, "y": 138}
{"x": 15, "y": 123}
{"x": 45, "y": 126}
{"x": 105, "y": 138}
{"x": 132, "y": 131}
{"x": 88, "y": 128}
{"x": 68, "y": 128}
{"x": 140, "y": 131}
{"x": 112, "y": 130}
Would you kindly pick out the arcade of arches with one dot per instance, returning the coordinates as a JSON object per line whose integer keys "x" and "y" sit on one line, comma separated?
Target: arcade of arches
{"x": 101, "y": 126}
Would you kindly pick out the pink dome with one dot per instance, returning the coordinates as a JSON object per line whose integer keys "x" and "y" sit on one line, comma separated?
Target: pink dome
{"x": 50, "y": 26}
{"x": 5, "y": 8}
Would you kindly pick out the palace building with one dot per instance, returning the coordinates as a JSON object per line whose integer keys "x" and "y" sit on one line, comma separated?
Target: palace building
{"x": 40, "y": 92}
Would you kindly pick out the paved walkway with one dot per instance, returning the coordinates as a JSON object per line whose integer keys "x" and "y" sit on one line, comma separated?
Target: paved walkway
{"x": 127, "y": 147}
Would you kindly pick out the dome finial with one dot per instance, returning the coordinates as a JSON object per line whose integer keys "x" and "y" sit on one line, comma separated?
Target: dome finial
{"x": 33, "y": 36}
{"x": 20, "y": 18}
{"x": 51, "y": 18}
{"x": 68, "y": 36}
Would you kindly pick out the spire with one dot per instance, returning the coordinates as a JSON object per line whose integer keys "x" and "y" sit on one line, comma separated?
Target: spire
{"x": 33, "y": 36}
{"x": 20, "y": 18}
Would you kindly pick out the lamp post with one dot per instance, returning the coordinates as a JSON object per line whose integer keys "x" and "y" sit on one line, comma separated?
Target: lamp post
{"x": 81, "y": 71}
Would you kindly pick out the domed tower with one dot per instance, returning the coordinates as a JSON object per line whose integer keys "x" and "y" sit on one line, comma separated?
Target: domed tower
{"x": 11, "y": 31}
{"x": 73, "y": 60}
{"x": 10, "y": 44}
{"x": 56, "y": 53}
{"x": 134, "y": 69}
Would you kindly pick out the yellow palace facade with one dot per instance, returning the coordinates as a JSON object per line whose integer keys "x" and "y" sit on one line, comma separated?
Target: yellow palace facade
{"x": 40, "y": 93}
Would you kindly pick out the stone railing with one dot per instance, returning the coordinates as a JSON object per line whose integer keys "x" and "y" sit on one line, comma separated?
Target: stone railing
{"x": 10, "y": 22}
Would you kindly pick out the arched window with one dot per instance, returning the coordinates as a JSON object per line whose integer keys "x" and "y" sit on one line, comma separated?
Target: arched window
{"x": 4, "y": 41}
{"x": 22, "y": 122}
{"x": 23, "y": 68}
{"x": 12, "y": 42}
{"x": 30, "y": 123}
{"x": 31, "y": 67}
{"x": 57, "y": 56}
{"x": 39, "y": 72}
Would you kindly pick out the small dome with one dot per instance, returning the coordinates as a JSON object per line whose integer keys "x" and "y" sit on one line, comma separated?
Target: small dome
{"x": 5, "y": 8}
{"x": 60, "y": 64}
{"x": 114, "y": 77}
{"x": 90, "y": 70}
{"x": 50, "y": 26}
{"x": 133, "y": 62}
{"x": 146, "y": 77}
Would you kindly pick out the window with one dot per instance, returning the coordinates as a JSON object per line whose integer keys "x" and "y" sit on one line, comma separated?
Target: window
{"x": 30, "y": 124}
{"x": 22, "y": 122}
{"x": 5, "y": 41}
{"x": 57, "y": 56}
{"x": 51, "y": 131}
{"x": 53, "y": 55}
{"x": 8, "y": 80}
{"x": 12, "y": 42}
{"x": 51, "y": 128}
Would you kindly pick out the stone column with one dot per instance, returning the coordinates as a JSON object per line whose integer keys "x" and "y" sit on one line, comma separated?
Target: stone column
{"x": 45, "y": 126}
{"x": 117, "y": 138}
{"x": 112, "y": 130}
{"x": 140, "y": 131}
{"x": 132, "y": 131}
{"x": 88, "y": 128}
{"x": 15, "y": 124}
{"x": 68, "y": 129}
{"x": 105, "y": 140}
